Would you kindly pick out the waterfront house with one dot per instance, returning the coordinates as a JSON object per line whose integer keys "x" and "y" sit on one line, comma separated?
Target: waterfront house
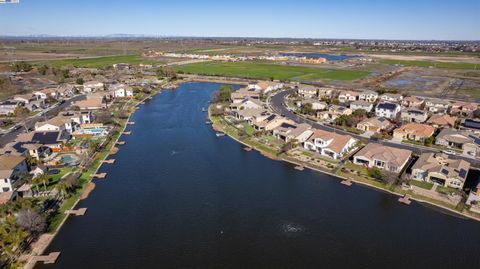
{"x": 436, "y": 105}
{"x": 474, "y": 198}
{"x": 247, "y": 103}
{"x": 244, "y": 93}
{"x": 368, "y": 96}
{"x": 375, "y": 125}
{"x": 330, "y": 144}
{"x": 413, "y": 101}
{"x": 439, "y": 168}
{"x": 468, "y": 142}
{"x": 387, "y": 110}
{"x": 391, "y": 97}
{"x": 248, "y": 114}
{"x": 57, "y": 123}
{"x": 413, "y": 115}
{"x": 288, "y": 132}
{"x": 11, "y": 169}
{"x": 413, "y": 131}
{"x": 442, "y": 121}
{"x": 361, "y": 104}
{"x": 121, "y": 91}
{"x": 346, "y": 96}
{"x": 266, "y": 86}
{"x": 270, "y": 122}
{"x": 383, "y": 157}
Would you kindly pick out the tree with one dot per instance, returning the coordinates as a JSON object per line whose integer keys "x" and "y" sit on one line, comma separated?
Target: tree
{"x": 307, "y": 109}
{"x": 360, "y": 113}
{"x": 429, "y": 141}
{"x": 166, "y": 72}
{"x": 79, "y": 81}
{"x": 43, "y": 69}
{"x": 65, "y": 73}
{"x": 389, "y": 177}
{"x": 224, "y": 93}
{"x": 476, "y": 113}
{"x": 31, "y": 220}
{"x": 104, "y": 117}
{"x": 375, "y": 173}
{"x": 21, "y": 67}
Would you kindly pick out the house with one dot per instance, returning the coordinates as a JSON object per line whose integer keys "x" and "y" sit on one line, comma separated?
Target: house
{"x": 361, "y": 104}
{"x": 391, "y": 97}
{"x": 270, "y": 122}
{"x": 57, "y": 123}
{"x": 330, "y": 144}
{"x": 287, "y": 132}
{"x": 465, "y": 141}
{"x": 348, "y": 96}
{"x": 65, "y": 91}
{"x": 368, "y": 96}
{"x": 248, "y": 114}
{"x": 79, "y": 117}
{"x": 439, "y": 168}
{"x": 474, "y": 197}
{"x": 250, "y": 103}
{"x": 326, "y": 92}
{"x": 307, "y": 91}
{"x": 25, "y": 98}
{"x": 50, "y": 139}
{"x": 92, "y": 86}
{"x": 35, "y": 105}
{"x": 8, "y": 107}
{"x": 11, "y": 169}
{"x": 413, "y": 131}
{"x": 121, "y": 91}
{"x": 266, "y": 86}
{"x": 413, "y": 115}
{"x": 95, "y": 103}
{"x": 375, "y": 125}
{"x": 387, "y": 110}
{"x": 442, "y": 121}
{"x": 244, "y": 93}
{"x": 435, "y": 105}
{"x": 471, "y": 124}
{"x": 40, "y": 95}
{"x": 316, "y": 104}
{"x": 382, "y": 157}
{"x": 413, "y": 102}
{"x": 464, "y": 109}
{"x": 47, "y": 92}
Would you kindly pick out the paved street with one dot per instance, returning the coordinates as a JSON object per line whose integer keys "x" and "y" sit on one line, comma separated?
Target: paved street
{"x": 30, "y": 123}
{"x": 276, "y": 102}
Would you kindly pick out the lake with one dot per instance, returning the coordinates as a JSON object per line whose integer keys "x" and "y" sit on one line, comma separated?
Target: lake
{"x": 180, "y": 197}
{"x": 329, "y": 57}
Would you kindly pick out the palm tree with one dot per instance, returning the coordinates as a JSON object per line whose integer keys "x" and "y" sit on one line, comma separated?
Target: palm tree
{"x": 62, "y": 188}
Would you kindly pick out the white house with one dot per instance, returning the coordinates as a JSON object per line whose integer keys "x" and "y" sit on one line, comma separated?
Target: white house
{"x": 121, "y": 91}
{"x": 361, "y": 104}
{"x": 11, "y": 168}
{"x": 92, "y": 86}
{"x": 387, "y": 110}
{"x": 330, "y": 144}
{"x": 368, "y": 96}
{"x": 391, "y": 97}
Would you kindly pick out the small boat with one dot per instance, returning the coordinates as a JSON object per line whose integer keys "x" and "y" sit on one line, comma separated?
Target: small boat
{"x": 208, "y": 122}
{"x": 204, "y": 109}
{"x": 220, "y": 134}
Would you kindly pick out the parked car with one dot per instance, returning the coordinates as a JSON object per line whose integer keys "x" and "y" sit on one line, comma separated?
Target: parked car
{"x": 449, "y": 152}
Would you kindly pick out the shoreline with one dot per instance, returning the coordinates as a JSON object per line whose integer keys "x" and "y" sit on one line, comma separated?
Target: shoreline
{"x": 364, "y": 184}
{"x": 51, "y": 236}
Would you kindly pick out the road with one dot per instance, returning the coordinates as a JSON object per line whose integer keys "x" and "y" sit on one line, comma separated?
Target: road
{"x": 30, "y": 122}
{"x": 276, "y": 103}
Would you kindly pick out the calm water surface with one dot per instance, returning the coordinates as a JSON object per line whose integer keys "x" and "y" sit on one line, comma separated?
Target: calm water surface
{"x": 179, "y": 197}
{"x": 329, "y": 57}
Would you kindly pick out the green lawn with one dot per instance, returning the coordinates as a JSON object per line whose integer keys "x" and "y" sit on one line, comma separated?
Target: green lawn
{"x": 257, "y": 70}
{"x": 101, "y": 62}
{"x": 447, "y": 65}
{"x": 421, "y": 184}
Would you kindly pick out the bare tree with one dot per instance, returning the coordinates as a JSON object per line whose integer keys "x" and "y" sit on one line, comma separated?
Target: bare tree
{"x": 31, "y": 221}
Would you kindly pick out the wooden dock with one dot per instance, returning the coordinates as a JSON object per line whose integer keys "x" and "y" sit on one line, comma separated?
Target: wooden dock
{"x": 47, "y": 259}
{"x": 127, "y": 133}
{"x": 405, "y": 199}
{"x": 131, "y": 123}
{"x": 299, "y": 167}
{"x": 109, "y": 161}
{"x": 76, "y": 212}
{"x": 247, "y": 149}
{"x": 347, "y": 182}
{"x": 100, "y": 175}
{"x": 120, "y": 143}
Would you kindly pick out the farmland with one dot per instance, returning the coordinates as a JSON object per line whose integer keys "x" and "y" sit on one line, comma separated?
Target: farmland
{"x": 100, "y": 62}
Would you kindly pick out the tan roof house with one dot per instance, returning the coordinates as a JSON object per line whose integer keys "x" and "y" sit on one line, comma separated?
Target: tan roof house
{"x": 442, "y": 121}
{"x": 91, "y": 104}
{"x": 413, "y": 131}
{"x": 11, "y": 167}
{"x": 330, "y": 144}
{"x": 413, "y": 101}
{"x": 438, "y": 168}
{"x": 382, "y": 157}
{"x": 374, "y": 125}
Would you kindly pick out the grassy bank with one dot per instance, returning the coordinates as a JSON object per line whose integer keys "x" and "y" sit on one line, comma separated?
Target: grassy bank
{"x": 447, "y": 65}
{"x": 258, "y": 70}
{"x": 100, "y": 62}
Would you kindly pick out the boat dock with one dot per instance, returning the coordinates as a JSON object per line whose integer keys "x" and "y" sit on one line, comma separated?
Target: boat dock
{"x": 299, "y": 167}
{"x": 109, "y": 161}
{"x": 346, "y": 182}
{"x": 120, "y": 143}
{"x": 100, "y": 175}
{"x": 76, "y": 212}
{"x": 247, "y": 149}
{"x": 46, "y": 259}
{"x": 405, "y": 199}
{"x": 131, "y": 123}
{"x": 127, "y": 132}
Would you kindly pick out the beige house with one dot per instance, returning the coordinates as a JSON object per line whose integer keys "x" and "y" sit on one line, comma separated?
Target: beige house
{"x": 11, "y": 168}
{"x": 330, "y": 144}
{"x": 374, "y": 125}
{"x": 413, "y": 115}
{"x": 442, "y": 121}
{"x": 438, "y": 168}
{"x": 368, "y": 96}
{"x": 413, "y": 131}
{"x": 288, "y": 132}
{"x": 348, "y": 96}
{"x": 382, "y": 157}
{"x": 413, "y": 101}
{"x": 465, "y": 109}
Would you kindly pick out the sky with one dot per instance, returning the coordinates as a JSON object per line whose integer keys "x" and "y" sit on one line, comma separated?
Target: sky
{"x": 361, "y": 19}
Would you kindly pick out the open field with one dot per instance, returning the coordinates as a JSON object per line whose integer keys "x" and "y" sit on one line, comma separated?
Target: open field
{"x": 257, "y": 70}
{"x": 437, "y": 64}
{"x": 100, "y": 62}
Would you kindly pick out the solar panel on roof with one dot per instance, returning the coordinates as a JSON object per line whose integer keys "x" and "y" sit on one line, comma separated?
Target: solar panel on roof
{"x": 462, "y": 173}
{"x": 445, "y": 171}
